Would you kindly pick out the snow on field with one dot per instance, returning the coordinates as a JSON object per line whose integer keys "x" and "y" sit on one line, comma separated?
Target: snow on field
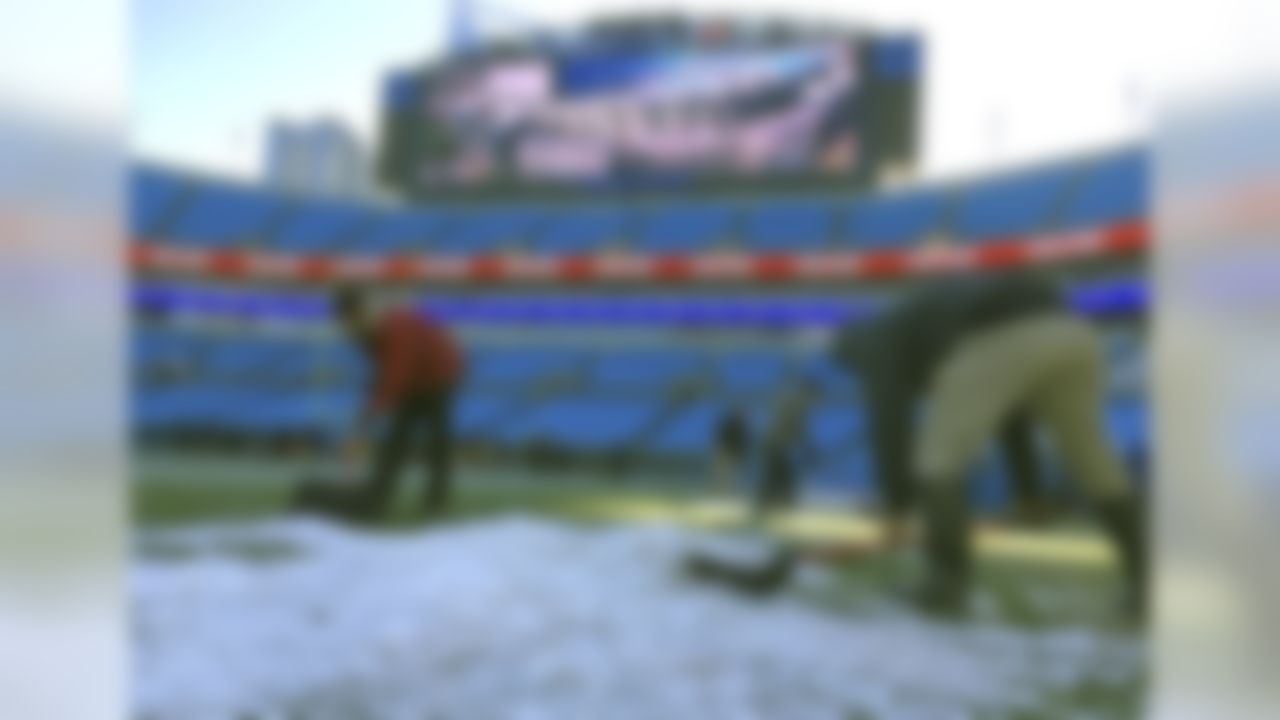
{"x": 529, "y": 620}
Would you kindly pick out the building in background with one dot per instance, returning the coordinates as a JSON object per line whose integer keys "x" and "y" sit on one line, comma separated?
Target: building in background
{"x": 321, "y": 157}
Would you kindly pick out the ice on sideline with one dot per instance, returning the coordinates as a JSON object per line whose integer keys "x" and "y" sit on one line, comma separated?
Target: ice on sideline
{"x": 525, "y": 619}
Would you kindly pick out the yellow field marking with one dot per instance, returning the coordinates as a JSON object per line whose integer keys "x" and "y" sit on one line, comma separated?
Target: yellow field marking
{"x": 835, "y": 526}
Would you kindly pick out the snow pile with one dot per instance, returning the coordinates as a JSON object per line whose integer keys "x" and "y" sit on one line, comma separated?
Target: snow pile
{"x": 532, "y": 620}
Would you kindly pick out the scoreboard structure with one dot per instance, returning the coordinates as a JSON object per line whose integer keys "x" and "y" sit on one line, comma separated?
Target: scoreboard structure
{"x": 655, "y": 105}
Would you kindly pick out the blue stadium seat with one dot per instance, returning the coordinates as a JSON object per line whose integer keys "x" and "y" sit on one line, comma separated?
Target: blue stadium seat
{"x": 253, "y": 411}
{"x": 989, "y": 484}
{"x": 320, "y": 226}
{"x": 520, "y": 368}
{"x": 894, "y": 221}
{"x": 154, "y": 407}
{"x": 580, "y": 231}
{"x": 1114, "y": 189}
{"x": 247, "y": 384}
{"x": 1127, "y": 361}
{"x": 751, "y": 372}
{"x": 225, "y": 216}
{"x": 165, "y": 346}
{"x": 789, "y": 225}
{"x": 683, "y": 228}
{"x": 154, "y": 195}
{"x": 585, "y": 423}
{"x": 187, "y": 406}
{"x": 642, "y": 370}
{"x": 691, "y": 431}
{"x": 1130, "y": 425}
{"x": 833, "y": 381}
{"x": 490, "y": 230}
{"x": 281, "y": 362}
{"x": 294, "y": 364}
{"x": 479, "y": 411}
{"x": 332, "y": 410}
{"x": 848, "y": 468}
{"x": 1011, "y": 205}
{"x": 258, "y": 411}
{"x": 243, "y": 358}
{"x": 324, "y": 362}
{"x": 401, "y": 231}
{"x": 833, "y": 426}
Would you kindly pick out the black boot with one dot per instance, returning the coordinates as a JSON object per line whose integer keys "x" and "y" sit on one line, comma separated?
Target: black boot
{"x": 753, "y": 581}
{"x": 948, "y": 551}
{"x": 325, "y": 497}
{"x": 1124, "y": 521}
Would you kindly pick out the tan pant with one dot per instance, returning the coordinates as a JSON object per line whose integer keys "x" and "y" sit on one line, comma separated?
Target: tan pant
{"x": 1050, "y": 365}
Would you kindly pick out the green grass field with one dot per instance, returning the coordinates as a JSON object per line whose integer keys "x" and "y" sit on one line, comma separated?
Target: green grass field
{"x": 1055, "y": 577}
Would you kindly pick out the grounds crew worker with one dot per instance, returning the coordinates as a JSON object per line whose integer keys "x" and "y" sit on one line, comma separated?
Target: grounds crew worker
{"x": 417, "y": 366}
{"x": 982, "y": 350}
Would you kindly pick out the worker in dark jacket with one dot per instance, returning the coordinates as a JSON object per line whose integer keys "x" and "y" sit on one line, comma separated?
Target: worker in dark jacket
{"x": 733, "y": 436}
{"x": 785, "y": 445}
{"x": 982, "y": 351}
{"x": 417, "y": 366}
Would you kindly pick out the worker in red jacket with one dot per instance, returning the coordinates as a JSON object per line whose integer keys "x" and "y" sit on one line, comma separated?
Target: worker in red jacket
{"x": 417, "y": 366}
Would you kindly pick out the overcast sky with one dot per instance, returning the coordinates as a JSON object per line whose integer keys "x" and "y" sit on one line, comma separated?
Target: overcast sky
{"x": 1007, "y": 81}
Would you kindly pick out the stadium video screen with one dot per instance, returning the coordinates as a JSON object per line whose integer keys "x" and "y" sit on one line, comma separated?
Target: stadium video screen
{"x": 833, "y": 108}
